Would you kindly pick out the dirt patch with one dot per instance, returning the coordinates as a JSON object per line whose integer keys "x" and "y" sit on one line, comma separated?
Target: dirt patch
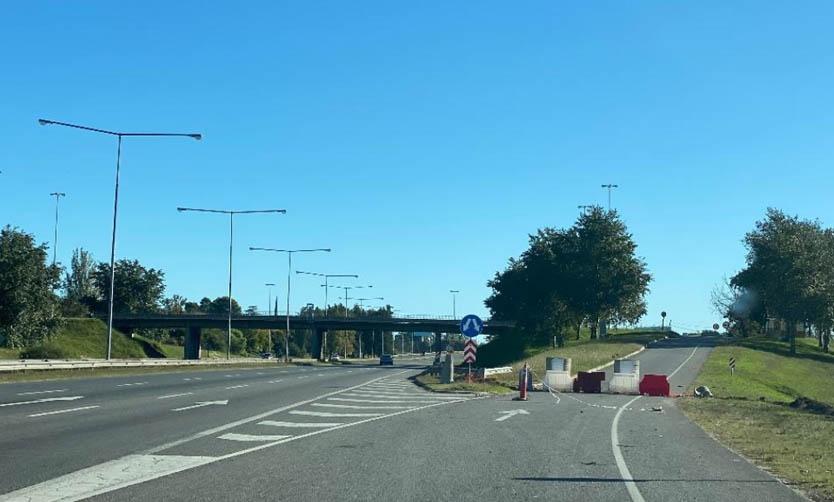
{"x": 811, "y": 406}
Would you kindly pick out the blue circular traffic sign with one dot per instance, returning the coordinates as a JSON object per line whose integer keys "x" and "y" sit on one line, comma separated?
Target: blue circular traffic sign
{"x": 471, "y": 325}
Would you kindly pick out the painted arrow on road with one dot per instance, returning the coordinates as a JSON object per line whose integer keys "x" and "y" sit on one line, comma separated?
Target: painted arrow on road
{"x": 200, "y": 404}
{"x": 44, "y": 400}
{"x": 511, "y": 414}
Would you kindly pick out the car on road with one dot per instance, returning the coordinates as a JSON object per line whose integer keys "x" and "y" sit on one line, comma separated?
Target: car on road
{"x": 335, "y": 357}
{"x": 386, "y": 359}
{"x": 266, "y": 355}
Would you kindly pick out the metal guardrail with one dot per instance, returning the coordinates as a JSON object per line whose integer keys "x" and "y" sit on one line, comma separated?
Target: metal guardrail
{"x": 59, "y": 364}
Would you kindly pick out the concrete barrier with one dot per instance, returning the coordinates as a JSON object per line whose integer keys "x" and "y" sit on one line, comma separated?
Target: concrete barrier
{"x": 487, "y": 372}
{"x": 560, "y": 381}
{"x": 626, "y": 379}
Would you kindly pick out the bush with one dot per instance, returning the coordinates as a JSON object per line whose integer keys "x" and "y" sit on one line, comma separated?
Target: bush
{"x": 44, "y": 351}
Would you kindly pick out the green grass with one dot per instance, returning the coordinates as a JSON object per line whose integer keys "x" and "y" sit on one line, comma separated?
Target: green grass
{"x": 433, "y": 382}
{"x": 9, "y": 353}
{"x": 750, "y": 412}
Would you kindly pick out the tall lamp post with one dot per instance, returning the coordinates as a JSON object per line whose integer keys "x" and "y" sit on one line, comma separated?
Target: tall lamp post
{"x": 346, "y": 288}
{"x": 57, "y": 196}
{"x": 360, "y": 300}
{"x": 119, "y": 135}
{"x": 326, "y": 276}
{"x": 454, "y": 306}
{"x": 609, "y": 186}
{"x": 289, "y": 275}
{"x": 269, "y": 302}
{"x": 231, "y": 241}
{"x": 585, "y": 207}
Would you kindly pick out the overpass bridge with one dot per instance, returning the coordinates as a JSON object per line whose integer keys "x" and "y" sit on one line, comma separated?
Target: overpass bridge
{"x": 194, "y": 323}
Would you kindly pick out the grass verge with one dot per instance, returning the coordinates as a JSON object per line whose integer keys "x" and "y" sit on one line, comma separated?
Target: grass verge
{"x": 777, "y": 410}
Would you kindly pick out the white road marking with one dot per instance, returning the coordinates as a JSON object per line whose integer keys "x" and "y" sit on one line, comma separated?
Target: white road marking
{"x": 631, "y": 486}
{"x": 260, "y": 373}
{"x": 319, "y": 374}
{"x": 510, "y": 414}
{"x": 40, "y": 392}
{"x": 237, "y": 386}
{"x": 63, "y": 411}
{"x": 200, "y": 405}
{"x": 169, "y": 396}
{"x": 305, "y": 376}
{"x": 131, "y": 384}
{"x": 685, "y": 361}
{"x": 357, "y": 407}
{"x": 387, "y": 401}
{"x": 106, "y": 477}
{"x": 306, "y": 425}
{"x": 44, "y": 400}
{"x": 249, "y": 437}
{"x": 422, "y": 395}
{"x": 276, "y": 381}
{"x": 135, "y": 469}
{"x": 325, "y": 414}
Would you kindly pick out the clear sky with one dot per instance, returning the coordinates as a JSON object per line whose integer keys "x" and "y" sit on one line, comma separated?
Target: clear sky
{"x": 422, "y": 141}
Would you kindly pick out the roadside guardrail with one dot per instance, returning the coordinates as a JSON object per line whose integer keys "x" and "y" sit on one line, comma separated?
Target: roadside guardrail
{"x": 62, "y": 364}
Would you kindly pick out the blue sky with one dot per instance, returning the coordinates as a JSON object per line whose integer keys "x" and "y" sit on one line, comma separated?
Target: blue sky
{"x": 422, "y": 141}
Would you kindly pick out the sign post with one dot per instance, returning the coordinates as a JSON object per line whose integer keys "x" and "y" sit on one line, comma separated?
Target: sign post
{"x": 732, "y": 365}
{"x": 471, "y": 326}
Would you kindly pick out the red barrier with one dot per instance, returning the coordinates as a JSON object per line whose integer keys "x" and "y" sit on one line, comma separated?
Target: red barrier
{"x": 654, "y": 385}
{"x": 589, "y": 382}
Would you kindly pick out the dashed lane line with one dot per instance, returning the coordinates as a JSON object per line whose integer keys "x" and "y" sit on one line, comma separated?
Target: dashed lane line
{"x": 58, "y": 412}
{"x": 35, "y": 393}
{"x": 237, "y": 386}
{"x": 131, "y": 384}
{"x": 169, "y": 396}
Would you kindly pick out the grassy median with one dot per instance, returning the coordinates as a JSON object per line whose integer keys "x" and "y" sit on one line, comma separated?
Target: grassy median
{"x": 776, "y": 410}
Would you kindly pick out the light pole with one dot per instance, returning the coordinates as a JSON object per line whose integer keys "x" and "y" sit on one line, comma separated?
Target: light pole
{"x": 584, "y": 207}
{"x": 609, "y": 186}
{"x": 289, "y": 275}
{"x": 231, "y": 240}
{"x": 119, "y": 135}
{"x": 360, "y": 300}
{"x": 454, "y": 306}
{"x": 326, "y": 276}
{"x": 269, "y": 302}
{"x": 57, "y": 196}
{"x": 346, "y": 288}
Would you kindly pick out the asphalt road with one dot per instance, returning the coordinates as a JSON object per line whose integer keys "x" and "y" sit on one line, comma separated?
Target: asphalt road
{"x": 362, "y": 433}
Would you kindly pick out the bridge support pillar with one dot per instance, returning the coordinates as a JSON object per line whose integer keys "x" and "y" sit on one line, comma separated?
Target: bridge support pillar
{"x": 192, "y": 342}
{"x": 319, "y": 342}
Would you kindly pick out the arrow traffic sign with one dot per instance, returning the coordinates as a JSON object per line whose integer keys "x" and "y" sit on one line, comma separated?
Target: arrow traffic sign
{"x": 471, "y": 325}
{"x": 470, "y": 351}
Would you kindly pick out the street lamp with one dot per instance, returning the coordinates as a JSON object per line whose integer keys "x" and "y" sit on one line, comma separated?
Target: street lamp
{"x": 57, "y": 196}
{"x": 289, "y": 274}
{"x": 609, "y": 186}
{"x": 454, "y": 306}
{"x": 584, "y": 207}
{"x": 326, "y": 276}
{"x": 269, "y": 302}
{"x": 119, "y": 135}
{"x": 346, "y": 288}
{"x": 360, "y": 300}
{"x": 231, "y": 240}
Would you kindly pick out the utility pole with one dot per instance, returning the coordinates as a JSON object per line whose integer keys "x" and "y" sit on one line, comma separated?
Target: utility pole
{"x": 609, "y": 186}
{"x": 57, "y": 196}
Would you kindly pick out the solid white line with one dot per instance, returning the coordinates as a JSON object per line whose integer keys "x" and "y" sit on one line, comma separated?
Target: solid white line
{"x": 40, "y": 392}
{"x": 169, "y": 396}
{"x": 422, "y": 395}
{"x": 357, "y": 407}
{"x": 307, "y": 425}
{"x": 325, "y": 414}
{"x": 618, "y": 456}
{"x": 44, "y": 400}
{"x": 685, "y": 361}
{"x": 62, "y": 411}
{"x": 249, "y": 437}
{"x": 237, "y": 386}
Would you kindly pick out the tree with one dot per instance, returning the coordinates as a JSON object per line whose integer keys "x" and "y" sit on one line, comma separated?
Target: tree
{"x": 28, "y": 311}
{"x": 137, "y": 289}
{"x": 586, "y": 272}
{"x": 81, "y": 291}
{"x": 219, "y": 305}
{"x": 790, "y": 269}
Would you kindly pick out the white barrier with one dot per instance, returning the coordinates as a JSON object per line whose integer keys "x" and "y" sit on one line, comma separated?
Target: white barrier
{"x": 626, "y": 379}
{"x": 560, "y": 381}
{"x": 485, "y": 372}
{"x": 55, "y": 364}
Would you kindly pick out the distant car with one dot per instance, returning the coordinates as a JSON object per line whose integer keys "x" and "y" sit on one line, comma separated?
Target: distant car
{"x": 266, "y": 355}
{"x": 335, "y": 357}
{"x": 386, "y": 359}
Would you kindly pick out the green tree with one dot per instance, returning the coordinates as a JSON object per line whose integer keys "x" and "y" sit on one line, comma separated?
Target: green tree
{"x": 28, "y": 311}
{"x": 80, "y": 290}
{"x": 137, "y": 289}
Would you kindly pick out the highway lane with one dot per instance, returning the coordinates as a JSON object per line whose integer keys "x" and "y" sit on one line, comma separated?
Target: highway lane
{"x": 111, "y": 417}
{"x": 383, "y": 438}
